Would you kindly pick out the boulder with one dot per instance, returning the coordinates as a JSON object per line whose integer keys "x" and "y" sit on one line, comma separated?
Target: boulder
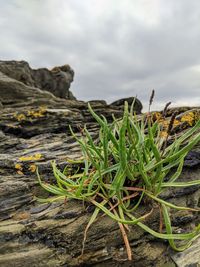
{"x": 137, "y": 104}
{"x": 15, "y": 93}
{"x": 57, "y": 81}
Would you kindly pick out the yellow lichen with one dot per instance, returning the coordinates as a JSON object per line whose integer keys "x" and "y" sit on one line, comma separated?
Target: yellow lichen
{"x": 176, "y": 122}
{"x": 36, "y": 113}
{"x": 31, "y": 158}
{"x": 20, "y": 117}
{"x": 31, "y": 114}
{"x": 37, "y": 156}
{"x": 43, "y": 109}
{"x": 189, "y": 118}
{"x": 157, "y": 116}
{"x": 32, "y": 168}
{"x": 20, "y": 172}
{"x": 19, "y": 168}
{"x": 12, "y": 126}
{"x": 163, "y": 134}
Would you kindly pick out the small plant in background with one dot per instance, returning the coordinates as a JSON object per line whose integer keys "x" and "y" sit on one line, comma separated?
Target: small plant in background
{"x": 129, "y": 165}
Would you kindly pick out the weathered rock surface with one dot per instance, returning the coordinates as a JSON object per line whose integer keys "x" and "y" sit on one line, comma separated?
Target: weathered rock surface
{"x": 57, "y": 81}
{"x": 34, "y": 124}
{"x": 137, "y": 104}
{"x": 15, "y": 93}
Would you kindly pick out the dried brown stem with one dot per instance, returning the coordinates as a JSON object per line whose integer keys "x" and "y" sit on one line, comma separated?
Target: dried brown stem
{"x": 152, "y": 97}
{"x": 126, "y": 241}
{"x": 124, "y": 235}
{"x": 161, "y": 220}
{"x": 164, "y": 113}
{"x": 171, "y": 123}
{"x": 125, "y": 198}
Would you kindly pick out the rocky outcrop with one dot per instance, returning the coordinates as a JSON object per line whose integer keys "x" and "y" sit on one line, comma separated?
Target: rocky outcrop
{"x": 57, "y": 81}
{"x": 120, "y": 103}
{"x": 15, "y": 93}
{"x": 34, "y": 131}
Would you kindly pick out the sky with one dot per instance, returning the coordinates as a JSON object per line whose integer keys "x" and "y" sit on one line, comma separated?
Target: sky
{"x": 117, "y": 48}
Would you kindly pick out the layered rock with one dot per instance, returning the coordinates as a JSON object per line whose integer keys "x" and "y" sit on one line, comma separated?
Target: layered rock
{"x": 34, "y": 131}
{"x": 15, "y": 93}
{"x": 57, "y": 81}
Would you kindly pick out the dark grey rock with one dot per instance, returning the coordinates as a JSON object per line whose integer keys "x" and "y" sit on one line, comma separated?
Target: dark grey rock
{"x": 57, "y": 81}
{"x": 97, "y": 102}
{"x": 188, "y": 258}
{"x": 137, "y": 105}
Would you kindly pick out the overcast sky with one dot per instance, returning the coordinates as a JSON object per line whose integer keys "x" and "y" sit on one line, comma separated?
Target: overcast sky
{"x": 118, "y": 48}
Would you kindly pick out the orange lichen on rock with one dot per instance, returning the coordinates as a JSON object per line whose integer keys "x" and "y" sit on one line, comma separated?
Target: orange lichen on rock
{"x": 163, "y": 134}
{"x": 157, "y": 116}
{"x": 19, "y": 168}
{"x": 32, "y": 168}
{"x": 189, "y": 118}
{"x": 21, "y": 216}
{"x": 25, "y": 166}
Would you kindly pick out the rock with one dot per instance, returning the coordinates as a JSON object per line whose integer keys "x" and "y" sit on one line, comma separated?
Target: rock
{"x": 28, "y": 106}
{"x": 34, "y": 234}
{"x": 188, "y": 258}
{"x": 137, "y": 105}
{"x": 2, "y": 135}
{"x": 52, "y": 234}
{"x": 57, "y": 81}
{"x": 15, "y": 93}
{"x": 97, "y": 102}
{"x": 18, "y": 70}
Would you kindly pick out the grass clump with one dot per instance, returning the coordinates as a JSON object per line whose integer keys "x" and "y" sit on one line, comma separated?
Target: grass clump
{"x": 127, "y": 166}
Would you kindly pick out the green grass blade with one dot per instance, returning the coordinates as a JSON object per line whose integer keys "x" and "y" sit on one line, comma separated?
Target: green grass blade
{"x": 167, "y": 203}
{"x": 169, "y": 230}
{"x": 181, "y": 184}
{"x": 185, "y": 236}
